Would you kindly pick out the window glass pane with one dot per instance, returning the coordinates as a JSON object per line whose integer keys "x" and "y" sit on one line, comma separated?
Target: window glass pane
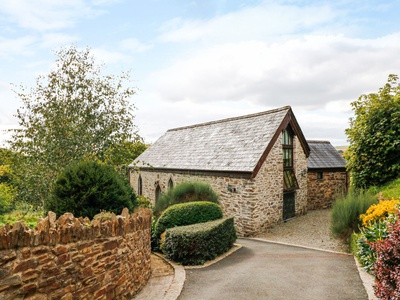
{"x": 287, "y": 157}
{"x": 286, "y": 138}
{"x": 289, "y": 180}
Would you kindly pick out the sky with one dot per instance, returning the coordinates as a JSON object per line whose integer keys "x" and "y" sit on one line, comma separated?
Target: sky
{"x": 198, "y": 61}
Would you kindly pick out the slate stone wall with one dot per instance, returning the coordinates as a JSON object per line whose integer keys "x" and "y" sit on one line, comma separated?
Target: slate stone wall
{"x": 255, "y": 203}
{"x": 322, "y": 192}
{"x": 73, "y": 258}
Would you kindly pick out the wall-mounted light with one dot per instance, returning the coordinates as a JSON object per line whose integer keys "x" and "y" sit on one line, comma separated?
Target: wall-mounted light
{"x": 231, "y": 188}
{"x": 304, "y": 172}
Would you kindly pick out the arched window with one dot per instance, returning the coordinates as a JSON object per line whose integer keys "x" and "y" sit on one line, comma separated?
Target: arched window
{"x": 158, "y": 192}
{"x": 140, "y": 186}
{"x": 170, "y": 184}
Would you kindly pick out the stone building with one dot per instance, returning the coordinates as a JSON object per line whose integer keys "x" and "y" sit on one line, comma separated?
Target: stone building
{"x": 327, "y": 175}
{"x": 256, "y": 163}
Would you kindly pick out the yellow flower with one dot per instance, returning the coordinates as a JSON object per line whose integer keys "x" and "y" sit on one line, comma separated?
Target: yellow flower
{"x": 379, "y": 212}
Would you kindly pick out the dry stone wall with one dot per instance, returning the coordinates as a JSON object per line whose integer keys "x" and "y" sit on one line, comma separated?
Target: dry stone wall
{"x": 75, "y": 258}
{"x": 322, "y": 192}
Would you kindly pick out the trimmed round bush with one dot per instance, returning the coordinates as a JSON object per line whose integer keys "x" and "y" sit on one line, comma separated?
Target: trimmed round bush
{"x": 86, "y": 188}
{"x": 187, "y": 214}
{"x": 183, "y": 193}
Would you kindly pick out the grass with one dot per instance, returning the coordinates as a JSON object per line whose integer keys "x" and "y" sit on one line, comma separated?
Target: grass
{"x": 25, "y": 213}
{"x": 346, "y": 211}
{"x": 388, "y": 191}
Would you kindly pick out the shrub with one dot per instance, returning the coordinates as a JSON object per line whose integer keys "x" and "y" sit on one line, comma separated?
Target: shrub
{"x": 86, "y": 188}
{"x": 195, "y": 244}
{"x": 387, "y": 266}
{"x": 380, "y": 211}
{"x": 142, "y": 201}
{"x": 346, "y": 211}
{"x": 183, "y": 193}
{"x": 7, "y": 193}
{"x": 186, "y": 214}
{"x": 370, "y": 234}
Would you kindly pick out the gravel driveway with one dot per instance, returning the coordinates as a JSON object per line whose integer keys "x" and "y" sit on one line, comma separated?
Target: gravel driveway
{"x": 311, "y": 230}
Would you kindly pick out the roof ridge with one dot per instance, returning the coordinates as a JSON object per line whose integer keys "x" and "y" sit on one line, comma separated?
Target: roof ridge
{"x": 287, "y": 107}
{"x": 318, "y": 141}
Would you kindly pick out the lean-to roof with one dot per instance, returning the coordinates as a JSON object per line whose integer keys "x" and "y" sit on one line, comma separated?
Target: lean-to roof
{"x": 230, "y": 145}
{"x": 324, "y": 156}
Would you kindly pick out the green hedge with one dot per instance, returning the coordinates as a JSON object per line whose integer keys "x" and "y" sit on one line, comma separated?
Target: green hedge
{"x": 186, "y": 214}
{"x": 183, "y": 193}
{"x": 195, "y": 244}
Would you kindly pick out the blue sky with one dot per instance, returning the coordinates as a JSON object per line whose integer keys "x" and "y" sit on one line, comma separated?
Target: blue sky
{"x": 197, "y": 61}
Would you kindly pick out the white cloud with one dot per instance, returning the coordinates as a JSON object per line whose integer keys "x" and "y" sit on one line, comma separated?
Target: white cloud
{"x": 57, "y": 40}
{"x": 44, "y": 15}
{"x": 134, "y": 45}
{"x": 22, "y": 46}
{"x": 310, "y": 71}
{"x": 260, "y": 22}
{"x": 109, "y": 57}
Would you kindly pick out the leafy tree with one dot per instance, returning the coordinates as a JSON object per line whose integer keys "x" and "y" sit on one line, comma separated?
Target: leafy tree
{"x": 87, "y": 187}
{"x": 124, "y": 154}
{"x": 73, "y": 113}
{"x": 7, "y": 189}
{"x": 374, "y": 153}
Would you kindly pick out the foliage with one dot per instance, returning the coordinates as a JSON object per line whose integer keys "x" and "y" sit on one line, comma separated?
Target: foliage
{"x": 142, "y": 201}
{"x": 7, "y": 189}
{"x": 195, "y": 244}
{"x": 7, "y": 193}
{"x": 373, "y": 232}
{"x": 346, "y": 211}
{"x": 125, "y": 152}
{"x": 6, "y": 159}
{"x": 390, "y": 190}
{"x": 183, "y": 193}
{"x": 374, "y": 153}
{"x": 86, "y": 188}
{"x": 73, "y": 113}
{"x": 22, "y": 212}
{"x": 354, "y": 237}
{"x": 379, "y": 212}
{"x": 186, "y": 214}
{"x": 387, "y": 266}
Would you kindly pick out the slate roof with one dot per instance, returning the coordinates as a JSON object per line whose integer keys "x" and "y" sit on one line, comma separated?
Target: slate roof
{"x": 324, "y": 156}
{"x": 229, "y": 145}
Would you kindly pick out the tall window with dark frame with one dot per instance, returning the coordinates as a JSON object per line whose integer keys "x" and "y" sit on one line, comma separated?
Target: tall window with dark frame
{"x": 140, "y": 186}
{"x": 289, "y": 178}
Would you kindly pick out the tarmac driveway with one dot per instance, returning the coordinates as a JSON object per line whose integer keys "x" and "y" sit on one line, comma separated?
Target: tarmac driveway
{"x": 262, "y": 270}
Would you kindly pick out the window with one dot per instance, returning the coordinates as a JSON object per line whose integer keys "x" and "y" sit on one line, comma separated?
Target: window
{"x": 140, "y": 186}
{"x": 170, "y": 184}
{"x": 320, "y": 176}
{"x": 158, "y": 192}
{"x": 289, "y": 178}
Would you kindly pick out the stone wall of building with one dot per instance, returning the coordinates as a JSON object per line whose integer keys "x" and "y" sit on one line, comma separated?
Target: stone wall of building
{"x": 255, "y": 203}
{"x": 322, "y": 192}
{"x": 73, "y": 258}
{"x": 300, "y": 169}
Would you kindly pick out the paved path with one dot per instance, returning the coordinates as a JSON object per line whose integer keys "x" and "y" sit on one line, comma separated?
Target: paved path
{"x": 262, "y": 270}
